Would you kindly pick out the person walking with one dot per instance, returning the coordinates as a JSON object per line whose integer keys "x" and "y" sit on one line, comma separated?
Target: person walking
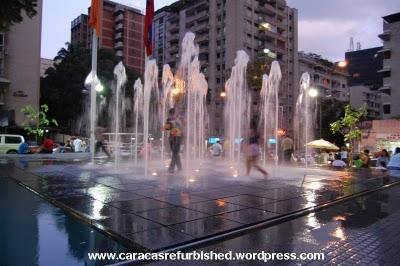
{"x": 344, "y": 154}
{"x": 175, "y": 138}
{"x": 100, "y": 143}
{"x": 383, "y": 157}
{"x": 253, "y": 152}
{"x": 364, "y": 156}
{"x": 287, "y": 148}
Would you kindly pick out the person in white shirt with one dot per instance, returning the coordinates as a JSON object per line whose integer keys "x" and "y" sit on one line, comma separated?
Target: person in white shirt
{"x": 394, "y": 163}
{"x": 77, "y": 145}
{"x": 338, "y": 162}
{"x": 216, "y": 149}
{"x": 343, "y": 155}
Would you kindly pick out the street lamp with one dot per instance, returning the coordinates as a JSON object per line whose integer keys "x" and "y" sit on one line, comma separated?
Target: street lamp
{"x": 342, "y": 64}
{"x": 313, "y": 92}
{"x": 223, "y": 94}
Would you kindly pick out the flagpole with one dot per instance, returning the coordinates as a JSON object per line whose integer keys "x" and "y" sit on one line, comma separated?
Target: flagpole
{"x": 93, "y": 95}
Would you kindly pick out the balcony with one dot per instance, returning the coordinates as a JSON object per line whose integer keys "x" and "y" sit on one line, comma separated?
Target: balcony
{"x": 385, "y": 36}
{"x": 119, "y": 54}
{"x": 119, "y": 27}
{"x": 119, "y": 45}
{"x": 118, "y": 36}
{"x": 385, "y": 69}
{"x": 119, "y": 18}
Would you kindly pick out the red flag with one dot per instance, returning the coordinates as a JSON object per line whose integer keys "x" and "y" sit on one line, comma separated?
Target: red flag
{"x": 94, "y": 16}
{"x": 148, "y": 27}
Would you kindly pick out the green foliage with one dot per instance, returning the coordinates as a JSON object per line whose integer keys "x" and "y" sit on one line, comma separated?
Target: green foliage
{"x": 11, "y": 11}
{"x": 347, "y": 125}
{"x": 332, "y": 110}
{"x": 255, "y": 72}
{"x": 37, "y": 120}
{"x": 62, "y": 87}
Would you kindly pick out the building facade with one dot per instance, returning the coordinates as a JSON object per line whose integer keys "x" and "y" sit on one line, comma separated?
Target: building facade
{"x": 266, "y": 30}
{"x": 365, "y": 80}
{"x": 391, "y": 65}
{"x": 121, "y": 31}
{"x": 20, "y": 69}
{"x": 329, "y": 78}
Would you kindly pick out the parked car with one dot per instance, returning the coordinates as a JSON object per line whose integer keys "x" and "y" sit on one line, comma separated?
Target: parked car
{"x": 9, "y": 144}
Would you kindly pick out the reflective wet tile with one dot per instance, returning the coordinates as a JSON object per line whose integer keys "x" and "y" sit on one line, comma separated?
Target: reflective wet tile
{"x": 159, "y": 238}
{"x": 277, "y": 194}
{"x": 248, "y": 216}
{"x": 180, "y": 199}
{"x": 287, "y": 206}
{"x": 243, "y": 189}
{"x": 205, "y": 227}
{"x": 131, "y": 187}
{"x": 247, "y": 200}
{"x": 116, "y": 196}
{"x": 174, "y": 215}
{"x": 139, "y": 205}
{"x": 215, "y": 194}
{"x": 214, "y": 207}
{"x": 91, "y": 208}
{"x": 127, "y": 224}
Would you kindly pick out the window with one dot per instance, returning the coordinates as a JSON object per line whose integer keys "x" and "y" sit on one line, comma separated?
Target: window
{"x": 1, "y": 41}
{"x": 13, "y": 140}
{"x": 386, "y": 74}
{"x": 386, "y": 108}
{"x": 387, "y": 54}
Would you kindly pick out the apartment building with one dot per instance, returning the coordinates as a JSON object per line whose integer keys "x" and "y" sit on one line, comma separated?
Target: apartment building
{"x": 329, "y": 78}
{"x": 364, "y": 80}
{"x": 20, "y": 69}
{"x": 391, "y": 65}
{"x": 265, "y": 29}
{"x": 121, "y": 31}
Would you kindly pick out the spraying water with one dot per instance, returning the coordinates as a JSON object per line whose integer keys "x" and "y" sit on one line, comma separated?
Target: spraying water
{"x": 138, "y": 112}
{"x": 237, "y": 106}
{"x": 303, "y": 117}
{"x": 120, "y": 76}
{"x": 150, "y": 90}
{"x": 167, "y": 100}
{"x": 193, "y": 85}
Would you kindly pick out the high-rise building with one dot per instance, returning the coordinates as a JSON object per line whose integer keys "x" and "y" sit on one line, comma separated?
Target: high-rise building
{"x": 365, "y": 79}
{"x": 265, "y": 29}
{"x": 121, "y": 31}
{"x": 20, "y": 68}
{"x": 329, "y": 78}
{"x": 391, "y": 65}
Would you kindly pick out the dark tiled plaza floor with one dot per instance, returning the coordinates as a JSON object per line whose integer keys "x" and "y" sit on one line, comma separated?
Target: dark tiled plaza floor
{"x": 161, "y": 211}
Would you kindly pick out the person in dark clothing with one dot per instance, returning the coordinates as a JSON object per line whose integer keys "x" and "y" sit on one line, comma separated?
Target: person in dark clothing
{"x": 100, "y": 143}
{"x": 175, "y": 138}
{"x": 253, "y": 152}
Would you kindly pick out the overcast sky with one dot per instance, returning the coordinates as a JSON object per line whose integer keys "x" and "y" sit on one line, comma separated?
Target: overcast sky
{"x": 325, "y": 26}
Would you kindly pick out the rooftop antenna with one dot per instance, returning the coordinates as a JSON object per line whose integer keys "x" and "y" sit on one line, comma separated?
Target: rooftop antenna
{"x": 358, "y": 46}
{"x": 351, "y": 46}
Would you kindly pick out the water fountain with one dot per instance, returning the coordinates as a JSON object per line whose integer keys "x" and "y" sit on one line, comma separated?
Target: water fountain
{"x": 167, "y": 100}
{"x": 150, "y": 89}
{"x": 303, "y": 117}
{"x": 270, "y": 107}
{"x": 138, "y": 112}
{"x": 237, "y": 107}
{"x": 191, "y": 89}
{"x": 121, "y": 79}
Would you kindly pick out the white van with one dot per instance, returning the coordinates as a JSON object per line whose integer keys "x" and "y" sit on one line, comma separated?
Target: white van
{"x": 9, "y": 144}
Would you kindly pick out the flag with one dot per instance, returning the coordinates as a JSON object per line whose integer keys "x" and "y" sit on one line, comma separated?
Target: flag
{"x": 94, "y": 16}
{"x": 148, "y": 27}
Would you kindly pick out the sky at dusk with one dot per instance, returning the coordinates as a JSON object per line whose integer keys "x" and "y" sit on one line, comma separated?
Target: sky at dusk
{"x": 325, "y": 27}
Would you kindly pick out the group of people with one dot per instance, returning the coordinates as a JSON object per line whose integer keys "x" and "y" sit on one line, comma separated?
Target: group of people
{"x": 174, "y": 128}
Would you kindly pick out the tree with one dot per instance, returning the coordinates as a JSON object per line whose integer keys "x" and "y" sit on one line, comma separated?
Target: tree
{"x": 348, "y": 126}
{"x": 11, "y": 11}
{"x": 37, "y": 120}
{"x": 332, "y": 111}
{"x": 63, "y": 85}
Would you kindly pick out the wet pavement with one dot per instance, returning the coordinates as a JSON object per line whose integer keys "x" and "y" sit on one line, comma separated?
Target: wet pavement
{"x": 34, "y": 232}
{"x": 164, "y": 211}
